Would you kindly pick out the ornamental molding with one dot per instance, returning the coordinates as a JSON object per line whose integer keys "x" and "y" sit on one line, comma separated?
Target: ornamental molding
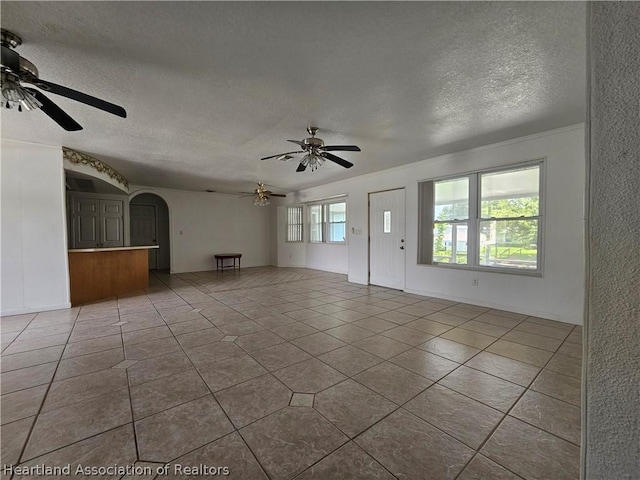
{"x": 80, "y": 158}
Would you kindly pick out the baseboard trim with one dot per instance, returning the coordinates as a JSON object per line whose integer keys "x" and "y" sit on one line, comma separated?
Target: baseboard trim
{"x": 341, "y": 272}
{"x": 42, "y": 308}
{"x": 508, "y": 308}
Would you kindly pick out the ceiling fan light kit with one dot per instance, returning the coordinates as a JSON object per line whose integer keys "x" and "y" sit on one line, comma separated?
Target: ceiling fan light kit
{"x": 14, "y": 96}
{"x": 310, "y": 160}
{"x": 261, "y": 200}
{"x": 316, "y": 152}
{"x": 16, "y": 70}
{"x": 262, "y": 195}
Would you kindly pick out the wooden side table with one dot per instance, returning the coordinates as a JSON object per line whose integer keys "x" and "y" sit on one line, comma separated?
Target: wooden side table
{"x": 220, "y": 258}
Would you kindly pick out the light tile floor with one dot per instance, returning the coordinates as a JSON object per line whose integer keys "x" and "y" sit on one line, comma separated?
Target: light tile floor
{"x": 292, "y": 373}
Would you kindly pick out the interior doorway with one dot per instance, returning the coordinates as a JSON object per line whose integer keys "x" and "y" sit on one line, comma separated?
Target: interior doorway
{"x": 149, "y": 220}
{"x": 387, "y": 239}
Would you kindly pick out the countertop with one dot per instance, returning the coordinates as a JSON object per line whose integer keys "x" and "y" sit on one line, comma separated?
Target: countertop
{"x": 110, "y": 249}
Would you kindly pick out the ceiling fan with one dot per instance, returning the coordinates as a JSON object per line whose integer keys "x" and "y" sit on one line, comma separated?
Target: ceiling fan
{"x": 16, "y": 70}
{"x": 316, "y": 152}
{"x": 263, "y": 195}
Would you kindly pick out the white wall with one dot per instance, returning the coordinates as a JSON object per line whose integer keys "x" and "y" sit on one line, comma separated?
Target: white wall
{"x": 329, "y": 257}
{"x": 33, "y": 239}
{"x": 202, "y": 224}
{"x": 289, "y": 254}
{"x": 319, "y": 256}
{"x": 557, "y": 295}
{"x": 273, "y": 236}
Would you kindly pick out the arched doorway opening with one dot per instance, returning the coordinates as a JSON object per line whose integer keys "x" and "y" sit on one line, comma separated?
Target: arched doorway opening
{"x": 149, "y": 221}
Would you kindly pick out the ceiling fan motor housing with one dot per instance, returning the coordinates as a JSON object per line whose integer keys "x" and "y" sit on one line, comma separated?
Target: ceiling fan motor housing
{"x": 22, "y": 67}
{"x": 313, "y": 143}
{"x": 10, "y": 39}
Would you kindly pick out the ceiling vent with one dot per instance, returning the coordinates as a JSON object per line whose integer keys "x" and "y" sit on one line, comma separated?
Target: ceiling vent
{"x": 85, "y": 185}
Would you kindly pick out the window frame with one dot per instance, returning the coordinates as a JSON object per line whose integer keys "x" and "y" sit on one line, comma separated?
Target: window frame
{"x": 427, "y": 222}
{"x": 298, "y": 226}
{"x": 325, "y": 221}
{"x": 320, "y": 223}
{"x": 455, "y": 222}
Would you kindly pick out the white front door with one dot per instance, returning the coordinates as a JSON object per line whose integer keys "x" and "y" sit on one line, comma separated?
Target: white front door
{"x": 386, "y": 239}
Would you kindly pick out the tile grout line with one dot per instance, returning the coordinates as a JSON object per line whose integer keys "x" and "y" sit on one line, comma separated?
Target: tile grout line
{"x": 44, "y": 398}
{"x": 236, "y": 430}
{"x": 21, "y": 331}
{"x": 126, "y": 372}
{"x": 507, "y": 414}
{"x": 43, "y": 401}
{"x": 272, "y": 413}
{"x": 527, "y": 388}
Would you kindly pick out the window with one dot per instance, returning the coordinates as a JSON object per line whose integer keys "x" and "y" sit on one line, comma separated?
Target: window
{"x": 451, "y": 221}
{"x": 337, "y": 221}
{"x": 294, "y": 224}
{"x": 483, "y": 220}
{"x": 328, "y": 222}
{"x": 386, "y": 221}
{"x": 509, "y": 217}
{"x": 315, "y": 223}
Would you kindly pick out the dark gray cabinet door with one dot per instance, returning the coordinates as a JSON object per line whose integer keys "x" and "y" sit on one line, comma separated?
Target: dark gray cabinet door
{"x": 86, "y": 224}
{"x": 96, "y": 223}
{"x": 111, "y": 223}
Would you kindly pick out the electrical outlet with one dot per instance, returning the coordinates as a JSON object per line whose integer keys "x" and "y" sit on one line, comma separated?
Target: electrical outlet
{"x": 474, "y": 282}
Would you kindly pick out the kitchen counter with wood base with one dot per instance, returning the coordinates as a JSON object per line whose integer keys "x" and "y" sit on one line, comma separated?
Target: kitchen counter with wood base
{"x": 97, "y": 273}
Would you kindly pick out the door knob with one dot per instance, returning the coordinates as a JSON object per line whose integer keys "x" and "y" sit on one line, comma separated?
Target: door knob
{"x": 402, "y": 247}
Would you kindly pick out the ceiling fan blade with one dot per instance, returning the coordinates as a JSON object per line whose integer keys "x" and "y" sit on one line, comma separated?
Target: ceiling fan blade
{"x": 10, "y": 59}
{"x": 281, "y": 155}
{"x": 340, "y": 161}
{"x": 297, "y": 141}
{"x": 55, "y": 112}
{"x": 277, "y": 195}
{"x": 341, "y": 148}
{"x": 80, "y": 97}
{"x": 301, "y": 168}
{"x": 273, "y": 156}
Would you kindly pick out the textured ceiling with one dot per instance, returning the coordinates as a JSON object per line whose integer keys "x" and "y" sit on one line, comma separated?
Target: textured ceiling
{"x": 210, "y": 87}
